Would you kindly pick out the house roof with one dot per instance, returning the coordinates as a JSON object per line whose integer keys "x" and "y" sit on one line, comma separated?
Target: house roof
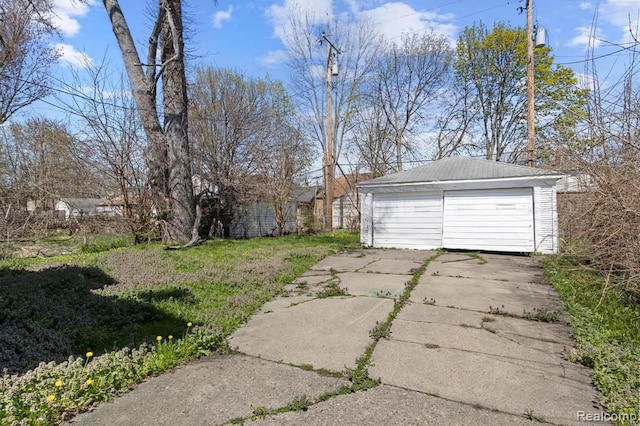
{"x": 305, "y": 194}
{"x": 459, "y": 169}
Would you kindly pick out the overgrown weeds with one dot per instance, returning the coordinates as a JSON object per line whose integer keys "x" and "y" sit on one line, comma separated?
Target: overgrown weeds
{"x": 122, "y": 306}
{"x": 607, "y": 326}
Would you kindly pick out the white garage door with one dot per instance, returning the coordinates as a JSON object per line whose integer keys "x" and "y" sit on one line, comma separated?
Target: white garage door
{"x": 495, "y": 220}
{"x": 408, "y": 220}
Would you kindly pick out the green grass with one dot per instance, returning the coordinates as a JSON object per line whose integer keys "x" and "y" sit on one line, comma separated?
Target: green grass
{"x": 607, "y": 326}
{"x": 116, "y": 304}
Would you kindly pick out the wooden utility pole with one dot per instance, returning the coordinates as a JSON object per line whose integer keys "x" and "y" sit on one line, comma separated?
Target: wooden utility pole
{"x": 329, "y": 158}
{"x": 530, "y": 88}
{"x": 329, "y": 155}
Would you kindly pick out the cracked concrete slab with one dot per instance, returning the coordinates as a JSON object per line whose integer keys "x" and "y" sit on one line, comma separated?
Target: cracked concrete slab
{"x": 386, "y": 405}
{"x": 392, "y": 266}
{"x": 499, "y": 268}
{"x": 484, "y": 295}
{"x": 553, "y": 393}
{"x": 283, "y": 303}
{"x": 342, "y": 263}
{"x": 212, "y": 390}
{"x": 364, "y": 284}
{"x": 325, "y": 333}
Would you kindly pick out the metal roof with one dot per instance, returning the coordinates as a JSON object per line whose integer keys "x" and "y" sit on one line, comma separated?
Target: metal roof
{"x": 461, "y": 169}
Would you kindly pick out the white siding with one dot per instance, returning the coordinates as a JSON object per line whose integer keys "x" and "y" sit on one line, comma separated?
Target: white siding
{"x": 546, "y": 219}
{"x": 366, "y": 220}
{"x": 496, "y": 220}
{"x": 258, "y": 219}
{"x": 407, "y": 220}
{"x": 345, "y": 212}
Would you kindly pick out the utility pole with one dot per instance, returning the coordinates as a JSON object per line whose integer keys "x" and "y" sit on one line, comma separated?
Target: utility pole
{"x": 530, "y": 88}
{"x": 329, "y": 160}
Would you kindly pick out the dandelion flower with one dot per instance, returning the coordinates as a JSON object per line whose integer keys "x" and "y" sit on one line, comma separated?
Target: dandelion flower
{"x": 159, "y": 338}
{"x": 170, "y": 337}
{"x": 89, "y": 354}
{"x": 58, "y": 383}
{"x": 89, "y": 382}
{"x": 51, "y": 398}
{"x": 189, "y": 324}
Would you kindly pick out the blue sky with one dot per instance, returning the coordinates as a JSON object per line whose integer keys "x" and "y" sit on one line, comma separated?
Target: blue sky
{"x": 247, "y": 35}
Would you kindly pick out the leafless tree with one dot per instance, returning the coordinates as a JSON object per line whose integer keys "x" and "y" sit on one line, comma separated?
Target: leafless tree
{"x": 247, "y": 144}
{"x": 39, "y": 164}
{"x": 26, "y": 54}
{"x": 307, "y": 59}
{"x": 168, "y": 150}
{"x": 111, "y": 140}
{"x": 372, "y": 142}
{"x": 406, "y": 79}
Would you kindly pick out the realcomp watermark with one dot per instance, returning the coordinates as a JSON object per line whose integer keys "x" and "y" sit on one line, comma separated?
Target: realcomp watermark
{"x": 603, "y": 416}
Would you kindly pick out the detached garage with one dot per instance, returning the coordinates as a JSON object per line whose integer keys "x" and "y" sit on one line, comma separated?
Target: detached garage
{"x": 462, "y": 203}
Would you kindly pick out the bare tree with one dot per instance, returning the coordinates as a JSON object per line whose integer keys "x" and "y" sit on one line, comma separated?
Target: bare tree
{"x": 247, "y": 143}
{"x": 168, "y": 150}
{"x": 25, "y": 54}
{"x": 406, "y": 79}
{"x": 359, "y": 45}
{"x": 371, "y": 141}
{"x": 111, "y": 140}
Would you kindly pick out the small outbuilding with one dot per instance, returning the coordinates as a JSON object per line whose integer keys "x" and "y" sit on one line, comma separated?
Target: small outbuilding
{"x": 462, "y": 203}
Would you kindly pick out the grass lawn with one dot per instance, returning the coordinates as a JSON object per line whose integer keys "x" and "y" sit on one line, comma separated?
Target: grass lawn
{"x": 607, "y": 326}
{"x": 80, "y": 329}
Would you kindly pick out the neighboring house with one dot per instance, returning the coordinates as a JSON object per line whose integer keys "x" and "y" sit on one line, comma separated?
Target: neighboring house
{"x": 77, "y": 207}
{"x": 462, "y": 203}
{"x": 575, "y": 183}
{"x": 111, "y": 207}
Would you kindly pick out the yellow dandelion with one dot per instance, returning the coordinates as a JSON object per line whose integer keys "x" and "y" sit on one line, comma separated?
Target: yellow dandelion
{"x": 170, "y": 337}
{"x": 189, "y": 324}
{"x": 89, "y": 382}
{"x": 51, "y": 398}
{"x": 58, "y": 383}
{"x": 89, "y": 354}
{"x": 159, "y": 338}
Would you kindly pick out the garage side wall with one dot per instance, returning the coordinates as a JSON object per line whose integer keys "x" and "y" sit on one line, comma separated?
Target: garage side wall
{"x": 546, "y": 218}
{"x": 366, "y": 219}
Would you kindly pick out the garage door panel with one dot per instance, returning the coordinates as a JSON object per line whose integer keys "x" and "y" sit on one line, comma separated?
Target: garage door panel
{"x": 500, "y": 220}
{"x": 408, "y": 220}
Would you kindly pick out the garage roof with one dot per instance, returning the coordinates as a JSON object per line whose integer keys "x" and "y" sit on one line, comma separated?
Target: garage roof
{"x": 461, "y": 168}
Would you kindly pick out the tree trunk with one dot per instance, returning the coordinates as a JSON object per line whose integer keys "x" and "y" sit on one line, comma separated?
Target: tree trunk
{"x": 174, "y": 93}
{"x": 167, "y": 148}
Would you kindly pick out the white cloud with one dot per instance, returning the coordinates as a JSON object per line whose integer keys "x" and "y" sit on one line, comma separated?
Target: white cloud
{"x": 221, "y": 16}
{"x": 274, "y": 58}
{"x": 318, "y": 11}
{"x": 394, "y": 19}
{"x": 619, "y": 12}
{"x": 585, "y": 38}
{"x": 73, "y": 57}
{"x": 586, "y": 5}
{"x": 65, "y": 13}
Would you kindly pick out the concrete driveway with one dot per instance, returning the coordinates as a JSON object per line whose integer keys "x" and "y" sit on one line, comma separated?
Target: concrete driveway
{"x": 466, "y": 349}
{"x": 474, "y": 333}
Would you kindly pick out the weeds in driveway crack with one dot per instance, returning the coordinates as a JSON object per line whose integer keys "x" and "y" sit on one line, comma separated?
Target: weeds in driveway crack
{"x": 359, "y": 376}
{"x": 542, "y": 315}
